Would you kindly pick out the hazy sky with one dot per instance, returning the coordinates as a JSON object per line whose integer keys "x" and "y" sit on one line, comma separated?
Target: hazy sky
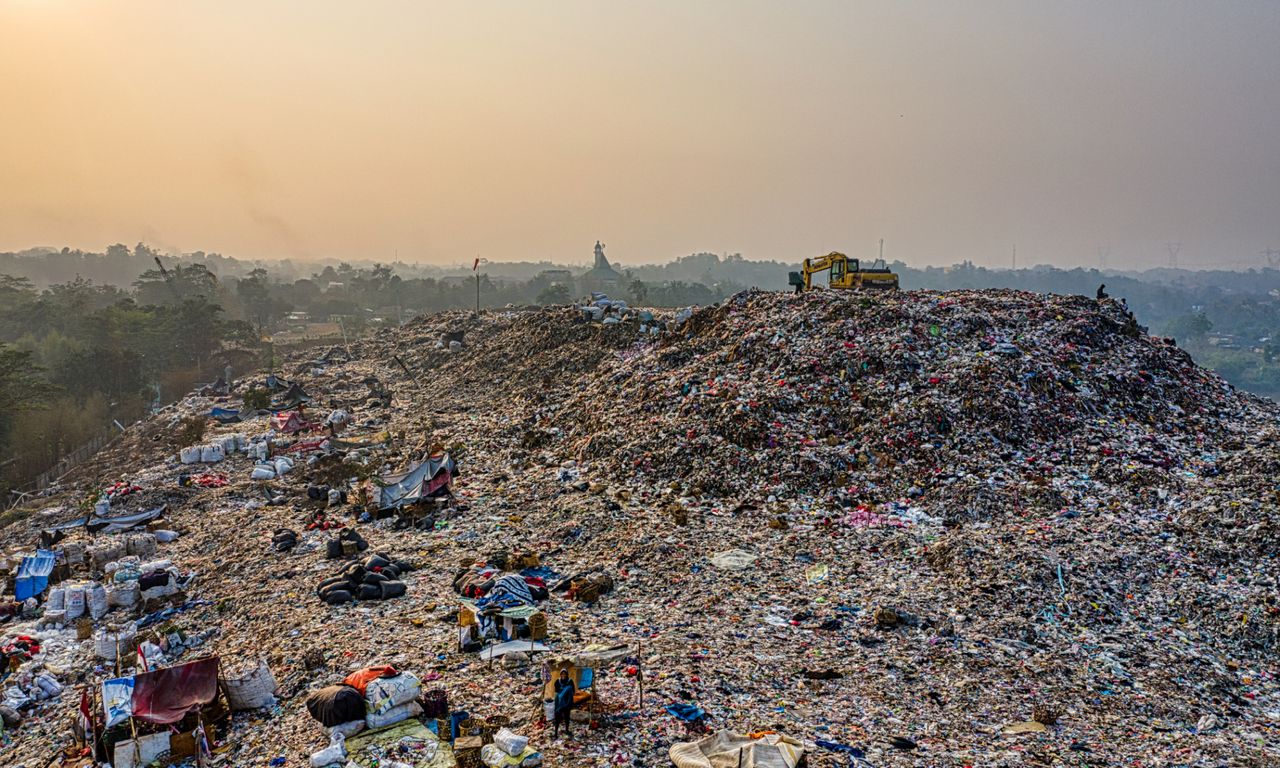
{"x": 527, "y": 130}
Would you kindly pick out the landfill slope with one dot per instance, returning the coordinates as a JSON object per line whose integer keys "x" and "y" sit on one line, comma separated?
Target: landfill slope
{"x": 968, "y": 510}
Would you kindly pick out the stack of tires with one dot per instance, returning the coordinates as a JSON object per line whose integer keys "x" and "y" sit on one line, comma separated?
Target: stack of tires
{"x": 377, "y": 577}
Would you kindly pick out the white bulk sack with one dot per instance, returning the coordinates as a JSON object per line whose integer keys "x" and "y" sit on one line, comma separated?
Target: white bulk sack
{"x": 384, "y": 693}
{"x": 96, "y": 599}
{"x": 393, "y": 715}
{"x": 75, "y": 602}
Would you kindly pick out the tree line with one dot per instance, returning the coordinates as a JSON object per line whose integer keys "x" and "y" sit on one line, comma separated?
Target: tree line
{"x": 80, "y": 358}
{"x": 79, "y": 355}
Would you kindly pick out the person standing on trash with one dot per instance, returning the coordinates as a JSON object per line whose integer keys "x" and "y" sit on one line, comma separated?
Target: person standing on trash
{"x": 1102, "y": 292}
{"x": 565, "y": 690}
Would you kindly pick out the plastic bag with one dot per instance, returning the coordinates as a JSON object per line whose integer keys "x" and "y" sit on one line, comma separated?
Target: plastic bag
{"x": 510, "y": 742}
{"x": 336, "y": 752}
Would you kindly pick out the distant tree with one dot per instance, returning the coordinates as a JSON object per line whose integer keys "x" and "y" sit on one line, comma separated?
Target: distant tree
{"x": 21, "y": 387}
{"x": 255, "y": 293}
{"x": 638, "y": 291}
{"x": 554, "y": 294}
{"x": 1192, "y": 327}
{"x": 181, "y": 284}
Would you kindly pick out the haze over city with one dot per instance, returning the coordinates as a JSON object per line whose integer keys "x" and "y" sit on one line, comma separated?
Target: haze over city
{"x": 433, "y": 132}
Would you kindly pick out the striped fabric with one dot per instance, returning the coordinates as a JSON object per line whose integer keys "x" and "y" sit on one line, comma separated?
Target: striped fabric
{"x": 512, "y": 585}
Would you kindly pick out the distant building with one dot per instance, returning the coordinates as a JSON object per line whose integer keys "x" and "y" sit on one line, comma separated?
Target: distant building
{"x": 602, "y": 276}
{"x": 556, "y": 277}
{"x": 309, "y": 332}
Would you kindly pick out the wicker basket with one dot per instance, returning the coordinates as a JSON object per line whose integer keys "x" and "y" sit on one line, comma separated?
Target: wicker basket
{"x": 470, "y": 727}
{"x": 588, "y": 592}
{"x": 466, "y": 750}
{"x": 493, "y": 724}
{"x": 252, "y": 688}
{"x": 538, "y": 626}
{"x": 435, "y": 704}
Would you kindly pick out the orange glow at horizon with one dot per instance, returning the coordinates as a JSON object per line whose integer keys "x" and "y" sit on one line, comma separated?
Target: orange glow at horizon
{"x": 529, "y": 130}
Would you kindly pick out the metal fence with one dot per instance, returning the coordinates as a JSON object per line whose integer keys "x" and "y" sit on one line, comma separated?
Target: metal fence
{"x": 70, "y": 462}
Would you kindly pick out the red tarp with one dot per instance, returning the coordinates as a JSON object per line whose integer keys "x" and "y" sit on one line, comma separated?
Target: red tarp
{"x": 290, "y": 422}
{"x": 167, "y": 695}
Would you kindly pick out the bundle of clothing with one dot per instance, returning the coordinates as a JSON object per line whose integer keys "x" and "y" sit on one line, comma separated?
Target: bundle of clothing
{"x": 503, "y": 604}
{"x": 479, "y": 583}
{"x": 22, "y": 648}
{"x": 374, "y": 697}
{"x": 377, "y": 577}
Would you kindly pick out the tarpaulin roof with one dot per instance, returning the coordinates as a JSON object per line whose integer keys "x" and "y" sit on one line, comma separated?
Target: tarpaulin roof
{"x": 418, "y": 482}
{"x": 33, "y": 574}
{"x": 594, "y": 655}
{"x": 167, "y": 695}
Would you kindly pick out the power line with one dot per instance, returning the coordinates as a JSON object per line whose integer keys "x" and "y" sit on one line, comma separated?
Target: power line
{"x": 1174, "y": 249}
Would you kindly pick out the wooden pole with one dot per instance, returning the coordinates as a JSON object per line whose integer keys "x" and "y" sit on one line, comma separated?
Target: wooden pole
{"x": 200, "y": 730}
{"x": 640, "y": 671}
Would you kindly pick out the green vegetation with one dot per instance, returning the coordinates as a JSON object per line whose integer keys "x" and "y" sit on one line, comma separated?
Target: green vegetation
{"x": 90, "y": 339}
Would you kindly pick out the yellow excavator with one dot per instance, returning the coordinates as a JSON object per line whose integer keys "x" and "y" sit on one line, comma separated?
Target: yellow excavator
{"x": 846, "y": 274}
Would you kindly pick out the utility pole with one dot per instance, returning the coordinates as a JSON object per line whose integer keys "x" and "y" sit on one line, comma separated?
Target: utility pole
{"x": 475, "y": 267}
{"x": 882, "y": 249}
{"x": 1174, "y": 249}
{"x": 1015, "y": 257}
{"x": 1272, "y": 256}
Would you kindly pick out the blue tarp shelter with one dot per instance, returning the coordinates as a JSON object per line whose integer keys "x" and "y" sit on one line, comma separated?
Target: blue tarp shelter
{"x": 33, "y": 574}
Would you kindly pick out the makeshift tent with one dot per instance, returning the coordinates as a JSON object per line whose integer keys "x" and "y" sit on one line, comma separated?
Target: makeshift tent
{"x": 290, "y": 422}
{"x": 421, "y": 481}
{"x": 581, "y": 666}
{"x": 33, "y": 574}
{"x": 162, "y": 696}
{"x": 99, "y": 524}
{"x": 291, "y": 399}
{"x": 726, "y": 749}
{"x": 500, "y": 624}
{"x": 513, "y": 646}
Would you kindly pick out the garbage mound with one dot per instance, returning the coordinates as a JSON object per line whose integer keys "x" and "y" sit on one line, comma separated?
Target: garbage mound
{"x": 968, "y": 528}
{"x": 869, "y": 394}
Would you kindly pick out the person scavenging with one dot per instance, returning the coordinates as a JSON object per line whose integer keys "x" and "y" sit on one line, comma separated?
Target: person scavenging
{"x": 1102, "y": 292}
{"x": 565, "y": 690}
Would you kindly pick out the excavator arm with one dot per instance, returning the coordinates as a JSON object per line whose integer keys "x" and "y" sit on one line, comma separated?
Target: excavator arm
{"x": 837, "y": 262}
{"x": 846, "y": 273}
